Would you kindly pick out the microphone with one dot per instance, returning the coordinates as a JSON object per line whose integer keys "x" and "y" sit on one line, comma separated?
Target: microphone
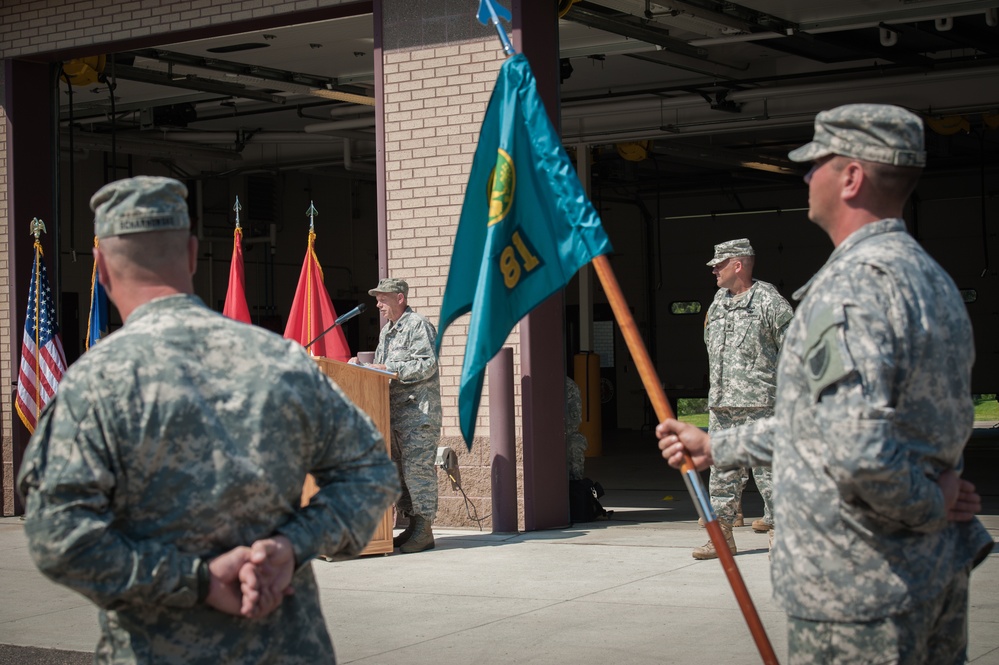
{"x": 349, "y": 315}
{"x": 339, "y": 321}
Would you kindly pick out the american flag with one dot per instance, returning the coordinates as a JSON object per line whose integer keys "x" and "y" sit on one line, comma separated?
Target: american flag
{"x": 42, "y": 359}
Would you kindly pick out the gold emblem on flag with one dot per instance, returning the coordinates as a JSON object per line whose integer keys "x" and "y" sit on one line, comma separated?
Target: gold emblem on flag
{"x": 500, "y": 187}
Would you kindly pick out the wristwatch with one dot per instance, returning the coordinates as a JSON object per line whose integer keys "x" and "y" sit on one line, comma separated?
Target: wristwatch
{"x": 204, "y": 580}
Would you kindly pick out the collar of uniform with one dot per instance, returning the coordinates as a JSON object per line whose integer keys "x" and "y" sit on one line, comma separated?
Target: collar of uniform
{"x": 175, "y": 301}
{"x": 880, "y": 227}
{"x": 739, "y": 301}
{"x": 402, "y": 316}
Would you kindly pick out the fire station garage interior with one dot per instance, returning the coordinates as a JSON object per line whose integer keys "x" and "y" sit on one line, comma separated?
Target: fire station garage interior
{"x": 682, "y": 112}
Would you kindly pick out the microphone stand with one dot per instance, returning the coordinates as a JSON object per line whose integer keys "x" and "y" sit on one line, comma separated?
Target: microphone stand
{"x": 341, "y": 320}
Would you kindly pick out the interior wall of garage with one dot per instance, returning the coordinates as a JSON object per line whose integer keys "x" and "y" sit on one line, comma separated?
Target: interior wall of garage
{"x": 346, "y": 232}
{"x": 34, "y": 28}
{"x": 951, "y": 213}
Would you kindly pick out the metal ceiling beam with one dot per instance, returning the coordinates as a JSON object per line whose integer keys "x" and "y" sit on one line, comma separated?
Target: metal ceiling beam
{"x": 258, "y": 71}
{"x": 596, "y": 16}
{"x": 99, "y": 109}
{"x": 190, "y": 82}
{"x": 961, "y": 38}
{"x": 908, "y": 15}
{"x": 735, "y": 16}
{"x": 714, "y": 157}
{"x": 702, "y": 67}
{"x": 147, "y": 147}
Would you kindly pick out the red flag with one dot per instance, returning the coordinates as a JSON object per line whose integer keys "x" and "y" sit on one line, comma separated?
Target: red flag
{"x": 312, "y": 311}
{"x": 235, "y": 297}
{"x": 42, "y": 359}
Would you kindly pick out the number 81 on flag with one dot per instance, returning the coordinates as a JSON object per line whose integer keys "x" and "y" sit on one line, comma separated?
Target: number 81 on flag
{"x": 516, "y": 257}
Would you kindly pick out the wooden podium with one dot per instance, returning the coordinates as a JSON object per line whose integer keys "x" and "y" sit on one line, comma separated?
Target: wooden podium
{"x": 369, "y": 390}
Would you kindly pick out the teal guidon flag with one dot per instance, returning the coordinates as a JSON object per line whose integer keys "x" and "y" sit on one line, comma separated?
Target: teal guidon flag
{"x": 526, "y": 228}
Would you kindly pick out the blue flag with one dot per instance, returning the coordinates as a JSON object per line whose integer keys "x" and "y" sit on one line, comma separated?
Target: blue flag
{"x": 97, "y": 326}
{"x": 526, "y": 228}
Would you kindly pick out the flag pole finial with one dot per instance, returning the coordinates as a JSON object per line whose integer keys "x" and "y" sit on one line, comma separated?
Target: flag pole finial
{"x": 237, "y": 208}
{"x": 490, "y": 12}
{"x": 312, "y": 212}
{"x": 37, "y": 228}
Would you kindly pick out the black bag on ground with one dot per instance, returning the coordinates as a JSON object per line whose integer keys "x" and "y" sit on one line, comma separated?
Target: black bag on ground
{"x": 583, "y": 504}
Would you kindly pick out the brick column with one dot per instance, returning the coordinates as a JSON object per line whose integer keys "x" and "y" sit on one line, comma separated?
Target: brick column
{"x": 439, "y": 68}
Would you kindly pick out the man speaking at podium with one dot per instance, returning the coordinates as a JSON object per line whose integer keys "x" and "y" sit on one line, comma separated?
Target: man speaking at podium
{"x": 164, "y": 479}
{"x": 406, "y": 347}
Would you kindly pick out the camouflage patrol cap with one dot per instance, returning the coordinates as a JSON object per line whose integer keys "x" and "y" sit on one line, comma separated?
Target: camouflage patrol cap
{"x": 140, "y": 204}
{"x": 731, "y": 249}
{"x": 390, "y": 285}
{"x": 872, "y": 132}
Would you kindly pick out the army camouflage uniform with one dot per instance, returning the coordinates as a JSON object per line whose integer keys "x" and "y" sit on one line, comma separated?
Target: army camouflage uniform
{"x": 407, "y": 348}
{"x": 182, "y": 435}
{"x": 873, "y": 403}
{"x": 743, "y": 334}
{"x": 575, "y": 440}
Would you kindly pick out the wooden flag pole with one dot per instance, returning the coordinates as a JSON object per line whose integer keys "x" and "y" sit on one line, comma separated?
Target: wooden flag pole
{"x": 661, "y": 405}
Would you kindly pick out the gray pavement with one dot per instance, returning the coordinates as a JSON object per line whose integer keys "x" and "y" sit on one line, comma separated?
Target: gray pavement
{"x": 615, "y": 591}
{"x": 623, "y": 591}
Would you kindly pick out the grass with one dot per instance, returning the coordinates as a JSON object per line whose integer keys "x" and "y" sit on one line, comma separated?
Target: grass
{"x": 696, "y": 419}
{"x": 693, "y": 411}
{"x": 986, "y": 408}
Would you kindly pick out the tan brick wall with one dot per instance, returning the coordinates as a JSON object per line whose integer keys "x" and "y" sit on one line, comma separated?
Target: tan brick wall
{"x": 37, "y": 26}
{"x": 434, "y": 101}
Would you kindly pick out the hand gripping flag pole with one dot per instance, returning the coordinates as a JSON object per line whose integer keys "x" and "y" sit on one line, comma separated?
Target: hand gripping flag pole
{"x": 654, "y": 389}
{"x": 594, "y": 245}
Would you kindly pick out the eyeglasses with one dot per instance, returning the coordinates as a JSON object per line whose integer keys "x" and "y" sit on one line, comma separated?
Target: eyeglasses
{"x": 816, "y": 165}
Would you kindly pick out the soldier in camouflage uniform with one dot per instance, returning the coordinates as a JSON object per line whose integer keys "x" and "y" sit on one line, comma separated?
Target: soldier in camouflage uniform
{"x": 574, "y": 439}
{"x": 406, "y": 347}
{"x": 743, "y": 330}
{"x": 164, "y": 480}
{"x": 877, "y": 530}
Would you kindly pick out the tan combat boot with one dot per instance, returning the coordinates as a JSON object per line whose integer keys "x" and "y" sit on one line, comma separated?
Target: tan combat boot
{"x": 759, "y": 526}
{"x": 739, "y": 521}
{"x": 397, "y": 541}
{"x": 422, "y": 538}
{"x": 707, "y": 551}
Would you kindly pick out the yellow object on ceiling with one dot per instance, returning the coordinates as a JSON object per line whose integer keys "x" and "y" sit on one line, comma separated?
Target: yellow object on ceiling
{"x": 947, "y": 125}
{"x": 635, "y": 151}
{"x": 564, "y": 6}
{"x": 84, "y": 71}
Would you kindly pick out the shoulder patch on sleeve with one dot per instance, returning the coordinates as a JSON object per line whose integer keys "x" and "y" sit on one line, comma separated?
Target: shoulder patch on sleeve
{"x": 827, "y": 360}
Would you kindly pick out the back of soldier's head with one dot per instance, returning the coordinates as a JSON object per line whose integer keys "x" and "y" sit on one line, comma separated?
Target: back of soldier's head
{"x": 143, "y": 222}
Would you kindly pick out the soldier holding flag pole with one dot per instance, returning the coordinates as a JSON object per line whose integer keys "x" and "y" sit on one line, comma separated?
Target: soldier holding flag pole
{"x": 873, "y": 409}
{"x": 526, "y": 228}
